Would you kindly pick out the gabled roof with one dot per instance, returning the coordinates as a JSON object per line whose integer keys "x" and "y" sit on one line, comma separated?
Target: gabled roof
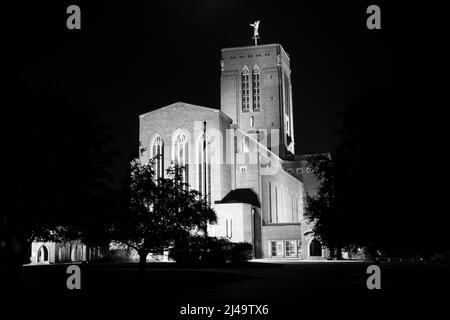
{"x": 185, "y": 106}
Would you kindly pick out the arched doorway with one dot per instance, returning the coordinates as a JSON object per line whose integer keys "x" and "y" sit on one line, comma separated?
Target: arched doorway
{"x": 73, "y": 253}
{"x": 42, "y": 255}
{"x": 60, "y": 254}
{"x": 315, "y": 248}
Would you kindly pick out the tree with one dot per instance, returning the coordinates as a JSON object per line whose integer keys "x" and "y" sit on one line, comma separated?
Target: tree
{"x": 325, "y": 207}
{"x": 58, "y": 160}
{"x": 348, "y": 207}
{"x": 154, "y": 213}
{"x": 372, "y": 193}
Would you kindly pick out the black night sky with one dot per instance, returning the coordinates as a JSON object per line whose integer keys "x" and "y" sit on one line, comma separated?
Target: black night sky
{"x": 132, "y": 57}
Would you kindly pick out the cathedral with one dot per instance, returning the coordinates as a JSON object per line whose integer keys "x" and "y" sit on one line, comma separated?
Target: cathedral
{"x": 241, "y": 157}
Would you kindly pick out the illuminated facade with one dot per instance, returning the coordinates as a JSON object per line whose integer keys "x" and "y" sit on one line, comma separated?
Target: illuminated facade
{"x": 237, "y": 156}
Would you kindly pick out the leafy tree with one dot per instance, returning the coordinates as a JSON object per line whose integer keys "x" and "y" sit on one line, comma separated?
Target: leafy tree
{"x": 154, "y": 213}
{"x": 347, "y": 208}
{"x": 325, "y": 207}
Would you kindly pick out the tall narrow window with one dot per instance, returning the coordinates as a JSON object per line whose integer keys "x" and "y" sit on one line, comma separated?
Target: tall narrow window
{"x": 287, "y": 107}
{"x": 270, "y": 202}
{"x": 204, "y": 167}
{"x": 157, "y": 154}
{"x": 276, "y": 205}
{"x": 245, "y": 79}
{"x": 256, "y": 89}
{"x": 226, "y": 228}
{"x": 245, "y": 141}
{"x": 231, "y": 228}
{"x": 180, "y": 154}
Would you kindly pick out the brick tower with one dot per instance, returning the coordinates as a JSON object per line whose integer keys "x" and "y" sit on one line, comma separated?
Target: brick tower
{"x": 256, "y": 93}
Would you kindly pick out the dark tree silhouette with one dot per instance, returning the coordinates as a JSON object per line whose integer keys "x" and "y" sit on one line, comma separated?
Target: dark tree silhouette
{"x": 353, "y": 200}
{"x": 57, "y": 178}
{"x": 325, "y": 207}
{"x": 154, "y": 213}
{"x": 371, "y": 188}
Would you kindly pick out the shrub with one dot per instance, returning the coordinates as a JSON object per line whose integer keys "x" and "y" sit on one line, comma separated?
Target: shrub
{"x": 197, "y": 250}
{"x": 187, "y": 250}
{"x": 241, "y": 252}
{"x": 218, "y": 250}
{"x": 118, "y": 255}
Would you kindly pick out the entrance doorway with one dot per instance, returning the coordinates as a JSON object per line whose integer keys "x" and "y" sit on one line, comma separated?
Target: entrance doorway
{"x": 315, "y": 248}
{"x": 42, "y": 255}
{"x": 283, "y": 249}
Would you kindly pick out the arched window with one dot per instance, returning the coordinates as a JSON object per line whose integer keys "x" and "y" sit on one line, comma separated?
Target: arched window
{"x": 204, "y": 151}
{"x": 315, "y": 248}
{"x": 256, "y": 89}
{"x": 245, "y": 89}
{"x": 180, "y": 154}
{"x": 157, "y": 154}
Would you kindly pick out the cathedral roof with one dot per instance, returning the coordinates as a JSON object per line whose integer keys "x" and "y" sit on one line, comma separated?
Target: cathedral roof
{"x": 184, "y": 105}
{"x": 245, "y": 195}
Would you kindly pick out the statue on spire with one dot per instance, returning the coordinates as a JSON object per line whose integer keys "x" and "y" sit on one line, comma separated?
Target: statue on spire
{"x": 255, "y": 26}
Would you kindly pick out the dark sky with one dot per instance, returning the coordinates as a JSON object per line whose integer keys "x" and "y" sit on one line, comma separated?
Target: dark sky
{"x": 132, "y": 57}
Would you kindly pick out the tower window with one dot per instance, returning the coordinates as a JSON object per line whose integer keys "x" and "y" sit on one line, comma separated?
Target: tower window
{"x": 256, "y": 89}
{"x": 245, "y": 89}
